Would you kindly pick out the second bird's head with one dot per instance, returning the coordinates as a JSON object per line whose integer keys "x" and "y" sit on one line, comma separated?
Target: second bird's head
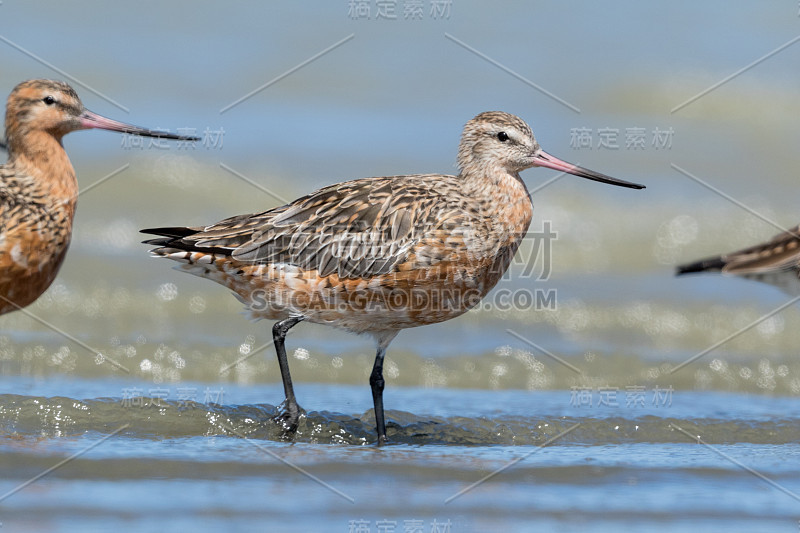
{"x": 55, "y": 108}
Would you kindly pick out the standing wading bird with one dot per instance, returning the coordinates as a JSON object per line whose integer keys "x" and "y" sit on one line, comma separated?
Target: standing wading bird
{"x": 776, "y": 262}
{"x": 38, "y": 188}
{"x": 378, "y": 255}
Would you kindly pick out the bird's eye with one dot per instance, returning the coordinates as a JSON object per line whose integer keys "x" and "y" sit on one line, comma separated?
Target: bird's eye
{"x": 49, "y": 100}
{"x": 502, "y": 136}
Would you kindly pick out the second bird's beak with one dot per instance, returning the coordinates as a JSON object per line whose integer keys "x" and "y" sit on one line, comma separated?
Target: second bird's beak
{"x": 90, "y": 120}
{"x": 543, "y": 159}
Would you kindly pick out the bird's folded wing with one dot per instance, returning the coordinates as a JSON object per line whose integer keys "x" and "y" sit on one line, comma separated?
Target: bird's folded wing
{"x": 356, "y": 229}
{"x": 782, "y": 252}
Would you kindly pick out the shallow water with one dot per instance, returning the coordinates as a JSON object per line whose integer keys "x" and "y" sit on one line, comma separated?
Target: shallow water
{"x": 546, "y": 457}
{"x": 137, "y": 398}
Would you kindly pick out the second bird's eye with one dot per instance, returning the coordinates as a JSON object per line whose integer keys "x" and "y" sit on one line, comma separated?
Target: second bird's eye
{"x": 49, "y": 100}
{"x": 502, "y": 136}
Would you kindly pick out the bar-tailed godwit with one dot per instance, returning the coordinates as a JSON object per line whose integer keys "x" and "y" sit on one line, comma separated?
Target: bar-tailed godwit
{"x": 776, "y": 262}
{"x": 378, "y": 255}
{"x": 38, "y": 188}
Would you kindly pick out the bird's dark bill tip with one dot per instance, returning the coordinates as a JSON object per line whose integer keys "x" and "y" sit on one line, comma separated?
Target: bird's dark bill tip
{"x": 166, "y": 135}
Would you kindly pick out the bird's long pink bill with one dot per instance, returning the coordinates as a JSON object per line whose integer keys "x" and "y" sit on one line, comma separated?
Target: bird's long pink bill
{"x": 93, "y": 120}
{"x": 543, "y": 159}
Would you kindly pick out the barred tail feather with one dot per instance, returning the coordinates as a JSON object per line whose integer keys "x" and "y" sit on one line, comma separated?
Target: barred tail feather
{"x": 712, "y": 264}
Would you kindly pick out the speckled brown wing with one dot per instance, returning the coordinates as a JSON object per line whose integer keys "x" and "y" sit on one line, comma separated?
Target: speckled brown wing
{"x": 34, "y": 236}
{"x": 357, "y": 229}
{"x": 17, "y": 195}
{"x": 781, "y": 253}
{"x": 27, "y": 206}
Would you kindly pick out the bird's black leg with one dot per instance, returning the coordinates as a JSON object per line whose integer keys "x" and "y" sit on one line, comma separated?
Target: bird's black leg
{"x": 291, "y": 411}
{"x": 377, "y": 383}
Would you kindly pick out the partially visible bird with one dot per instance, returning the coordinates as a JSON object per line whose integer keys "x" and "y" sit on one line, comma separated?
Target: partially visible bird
{"x": 38, "y": 187}
{"x": 378, "y": 255}
{"x": 776, "y": 262}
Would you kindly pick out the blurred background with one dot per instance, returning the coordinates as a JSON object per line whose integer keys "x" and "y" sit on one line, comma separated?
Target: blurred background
{"x": 390, "y": 96}
{"x": 292, "y": 96}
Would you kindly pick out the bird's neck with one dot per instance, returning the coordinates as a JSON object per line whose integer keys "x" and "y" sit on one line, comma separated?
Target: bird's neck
{"x": 503, "y": 197}
{"x": 41, "y": 156}
{"x": 493, "y": 181}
